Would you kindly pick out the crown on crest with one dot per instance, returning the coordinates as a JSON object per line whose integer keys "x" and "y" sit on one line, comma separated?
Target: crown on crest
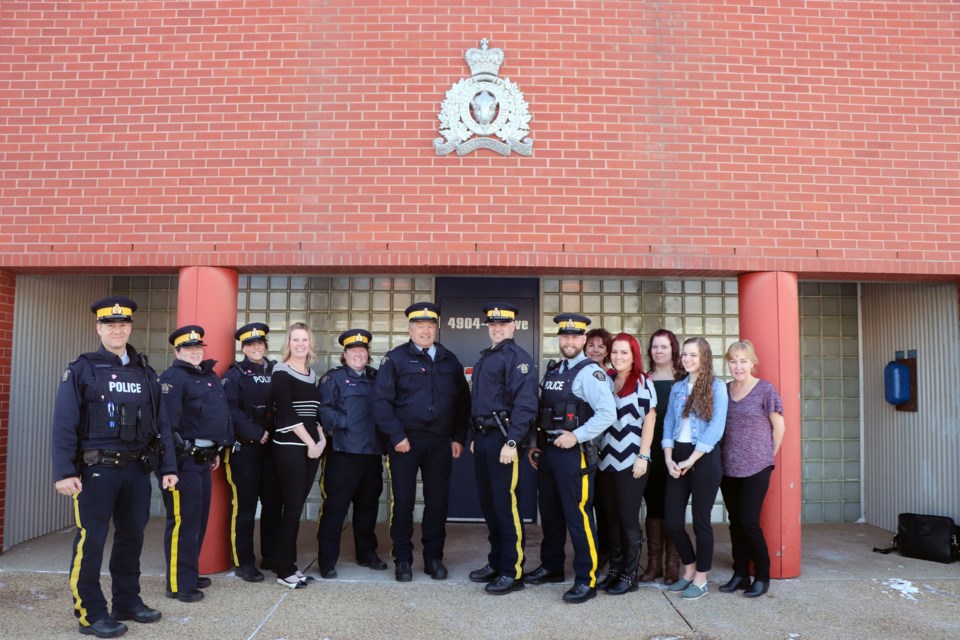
{"x": 484, "y": 61}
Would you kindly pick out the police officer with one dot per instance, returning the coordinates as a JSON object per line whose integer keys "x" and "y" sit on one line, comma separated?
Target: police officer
{"x": 249, "y": 464}
{"x": 421, "y": 403}
{"x": 504, "y": 407}
{"x": 193, "y": 406}
{"x": 576, "y": 407}
{"x": 352, "y": 469}
{"x": 104, "y": 447}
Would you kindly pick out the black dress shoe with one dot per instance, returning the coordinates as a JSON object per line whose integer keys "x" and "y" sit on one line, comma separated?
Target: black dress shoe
{"x": 503, "y": 585}
{"x": 541, "y": 575}
{"x": 736, "y": 582}
{"x": 104, "y": 628}
{"x": 203, "y": 582}
{"x": 373, "y": 562}
{"x": 186, "y": 596}
{"x": 403, "y": 572}
{"x": 248, "y": 573}
{"x": 140, "y": 613}
{"x": 328, "y": 574}
{"x": 757, "y": 589}
{"x": 579, "y": 593}
{"x": 436, "y": 570}
{"x": 486, "y": 574}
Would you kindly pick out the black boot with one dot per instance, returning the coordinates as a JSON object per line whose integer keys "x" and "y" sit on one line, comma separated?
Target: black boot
{"x": 757, "y": 589}
{"x": 735, "y": 583}
{"x": 612, "y": 577}
{"x": 631, "y": 566}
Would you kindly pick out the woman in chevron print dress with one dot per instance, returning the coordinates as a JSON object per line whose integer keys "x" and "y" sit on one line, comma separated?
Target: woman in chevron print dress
{"x": 624, "y": 459}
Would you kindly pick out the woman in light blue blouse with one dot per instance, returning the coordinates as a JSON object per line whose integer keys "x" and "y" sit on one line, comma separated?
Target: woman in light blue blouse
{"x": 696, "y": 415}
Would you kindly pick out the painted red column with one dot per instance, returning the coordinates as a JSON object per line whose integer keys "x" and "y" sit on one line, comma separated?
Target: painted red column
{"x": 770, "y": 318}
{"x": 208, "y": 297}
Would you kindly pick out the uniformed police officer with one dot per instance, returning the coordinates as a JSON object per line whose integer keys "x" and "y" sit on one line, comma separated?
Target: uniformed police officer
{"x": 421, "y": 403}
{"x": 352, "y": 469}
{"x": 193, "y": 406}
{"x": 504, "y": 407}
{"x": 249, "y": 464}
{"x": 104, "y": 447}
{"x": 576, "y": 406}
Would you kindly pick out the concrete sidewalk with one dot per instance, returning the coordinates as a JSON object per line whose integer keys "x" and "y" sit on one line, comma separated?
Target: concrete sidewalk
{"x": 845, "y": 591}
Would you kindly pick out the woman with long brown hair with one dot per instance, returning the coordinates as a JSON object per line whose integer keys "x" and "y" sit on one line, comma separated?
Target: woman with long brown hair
{"x": 664, "y": 368}
{"x": 696, "y": 417}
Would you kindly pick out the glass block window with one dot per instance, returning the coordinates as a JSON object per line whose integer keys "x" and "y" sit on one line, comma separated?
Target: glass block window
{"x": 830, "y": 397}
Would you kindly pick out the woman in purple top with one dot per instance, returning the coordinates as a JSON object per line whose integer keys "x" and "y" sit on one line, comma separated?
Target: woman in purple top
{"x": 750, "y": 441}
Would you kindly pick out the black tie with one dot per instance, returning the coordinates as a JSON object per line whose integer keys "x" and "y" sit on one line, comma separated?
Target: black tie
{"x": 563, "y": 367}
{"x": 426, "y": 352}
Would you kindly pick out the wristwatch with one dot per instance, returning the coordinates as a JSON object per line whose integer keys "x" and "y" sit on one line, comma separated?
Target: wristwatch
{"x": 512, "y": 444}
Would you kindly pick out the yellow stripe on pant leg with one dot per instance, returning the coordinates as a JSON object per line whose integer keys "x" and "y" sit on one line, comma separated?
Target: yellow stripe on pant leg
{"x": 584, "y": 494}
{"x": 323, "y": 487}
{"x": 77, "y": 561}
{"x": 514, "y": 509}
{"x": 175, "y": 539}
{"x": 390, "y": 481}
{"x": 236, "y": 505}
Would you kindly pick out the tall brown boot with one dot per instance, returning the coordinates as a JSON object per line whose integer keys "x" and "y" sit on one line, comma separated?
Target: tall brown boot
{"x": 671, "y": 572}
{"x": 654, "y": 550}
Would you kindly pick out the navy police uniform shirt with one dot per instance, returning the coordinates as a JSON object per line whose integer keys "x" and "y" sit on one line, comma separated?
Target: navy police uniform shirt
{"x": 504, "y": 379}
{"x": 247, "y": 388}
{"x": 591, "y": 386}
{"x": 193, "y": 403}
{"x": 414, "y": 393}
{"x": 95, "y": 392}
{"x": 346, "y": 410}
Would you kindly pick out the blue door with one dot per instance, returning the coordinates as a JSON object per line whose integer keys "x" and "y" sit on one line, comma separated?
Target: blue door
{"x": 462, "y": 330}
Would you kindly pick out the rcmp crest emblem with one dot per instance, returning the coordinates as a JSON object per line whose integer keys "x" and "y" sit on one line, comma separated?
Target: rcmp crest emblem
{"x": 484, "y": 111}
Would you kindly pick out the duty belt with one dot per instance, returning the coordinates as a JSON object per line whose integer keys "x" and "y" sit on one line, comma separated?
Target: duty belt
{"x": 108, "y": 458}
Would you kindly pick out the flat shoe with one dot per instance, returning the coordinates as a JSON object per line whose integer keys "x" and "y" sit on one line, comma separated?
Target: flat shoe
{"x": 679, "y": 585}
{"x": 140, "y": 613}
{"x": 693, "y": 592}
{"x": 203, "y": 582}
{"x": 104, "y": 628}
{"x": 296, "y": 584}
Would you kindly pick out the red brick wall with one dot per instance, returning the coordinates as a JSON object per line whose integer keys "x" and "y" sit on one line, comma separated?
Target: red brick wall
{"x": 7, "y": 282}
{"x": 673, "y": 137}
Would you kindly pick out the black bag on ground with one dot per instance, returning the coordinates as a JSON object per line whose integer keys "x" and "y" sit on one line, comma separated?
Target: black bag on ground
{"x": 926, "y": 537}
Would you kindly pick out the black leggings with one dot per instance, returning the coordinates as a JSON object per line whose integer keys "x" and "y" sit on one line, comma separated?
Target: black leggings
{"x": 702, "y": 481}
{"x": 744, "y": 500}
{"x": 622, "y": 495}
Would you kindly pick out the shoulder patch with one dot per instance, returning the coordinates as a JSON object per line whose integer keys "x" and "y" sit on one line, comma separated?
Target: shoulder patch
{"x": 385, "y": 360}
{"x": 324, "y": 379}
{"x": 66, "y": 375}
{"x": 165, "y": 388}
{"x": 523, "y": 368}
{"x": 600, "y": 375}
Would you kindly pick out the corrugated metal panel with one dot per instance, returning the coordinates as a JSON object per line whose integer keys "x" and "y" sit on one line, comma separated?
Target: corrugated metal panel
{"x": 52, "y": 325}
{"x": 910, "y": 459}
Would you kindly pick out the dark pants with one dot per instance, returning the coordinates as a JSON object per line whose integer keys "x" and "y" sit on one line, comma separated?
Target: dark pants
{"x": 431, "y": 455}
{"x": 622, "y": 495}
{"x": 188, "y": 506}
{"x": 566, "y": 504}
{"x": 348, "y": 478}
{"x": 121, "y": 493}
{"x": 656, "y": 489}
{"x": 245, "y": 473}
{"x": 499, "y": 502}
{"x": 295, "y": 474}
{"x": 744, "y": 500}
{"x": 702, "y": 482}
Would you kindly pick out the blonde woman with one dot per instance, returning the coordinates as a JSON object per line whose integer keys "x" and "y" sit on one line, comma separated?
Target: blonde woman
{"x": 751, "y": 440}
{"x": 298, "y": 443}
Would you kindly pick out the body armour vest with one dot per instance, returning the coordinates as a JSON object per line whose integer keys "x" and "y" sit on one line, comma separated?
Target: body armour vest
{"x": 119, "y": 404}
{"x": 255, "y": 393}
{"x": 560, "y": 410}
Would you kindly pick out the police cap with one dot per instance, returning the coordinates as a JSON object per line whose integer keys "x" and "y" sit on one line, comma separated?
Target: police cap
{"x": 500, "y": 312}
{"x": 355, "y": 338}
{"x": 188, "y": 336}
{"x": 252, "y": 332}
{"x": 571, "y": 323}
{"x": 423, "y": 312}
{"x": 114, "y": 309}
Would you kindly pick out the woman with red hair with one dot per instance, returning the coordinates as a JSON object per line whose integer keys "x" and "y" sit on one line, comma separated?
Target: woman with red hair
{"x": 624, "y": 458}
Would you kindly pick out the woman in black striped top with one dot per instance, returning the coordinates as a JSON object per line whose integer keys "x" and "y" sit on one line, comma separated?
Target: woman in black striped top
{"x": 298, "y": 443}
